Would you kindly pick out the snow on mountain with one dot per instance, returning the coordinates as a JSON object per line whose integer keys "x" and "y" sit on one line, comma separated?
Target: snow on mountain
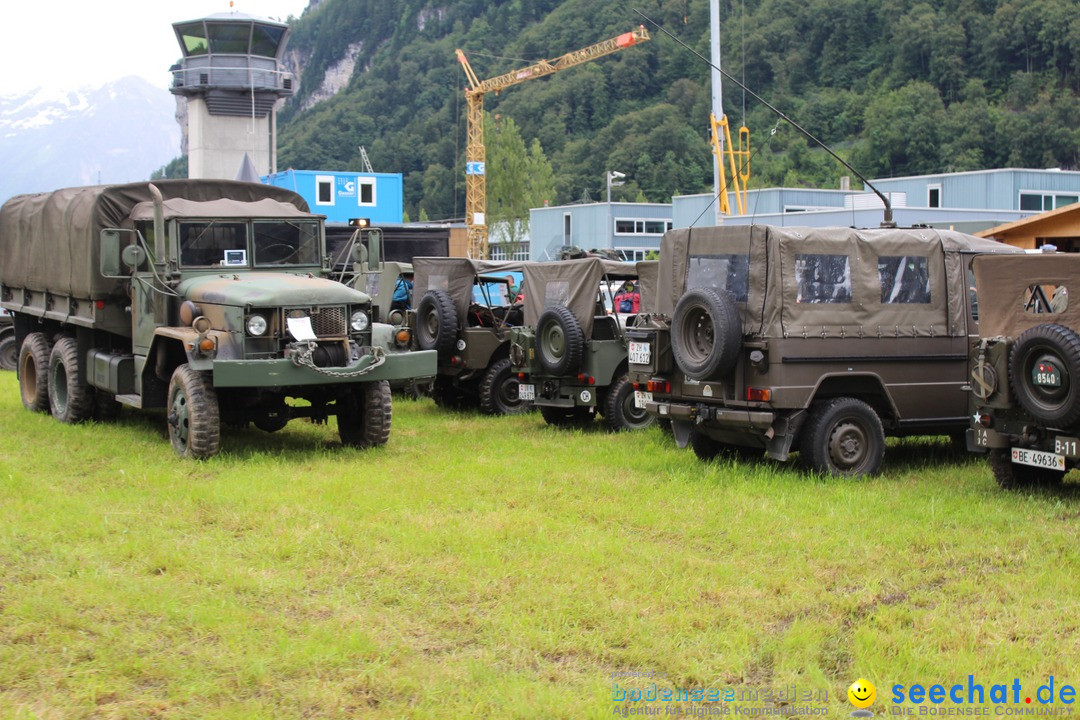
{"x": 120, "y": 132}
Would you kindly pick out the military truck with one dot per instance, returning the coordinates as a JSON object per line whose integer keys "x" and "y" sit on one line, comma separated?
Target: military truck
{"x": 816, "y": 340}
{"x": 1025, "y": 367}
{"x": 208, "y": 298}
{"x": 571, "y": 353}
{"x": 464, "y": 312}
{"x": 9, "y": 350}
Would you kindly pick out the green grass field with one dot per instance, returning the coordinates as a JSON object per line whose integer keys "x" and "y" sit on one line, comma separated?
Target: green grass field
{"x": 493, "y": 567}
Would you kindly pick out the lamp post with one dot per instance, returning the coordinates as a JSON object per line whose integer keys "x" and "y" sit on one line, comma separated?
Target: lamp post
{"x": 614, "y": 179}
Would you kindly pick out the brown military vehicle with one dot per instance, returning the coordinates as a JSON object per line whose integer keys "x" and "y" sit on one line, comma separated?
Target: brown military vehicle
{"x": 820, "y": 340}
{"x": 465, "y": 313}
{"x": 1025, "y": 367}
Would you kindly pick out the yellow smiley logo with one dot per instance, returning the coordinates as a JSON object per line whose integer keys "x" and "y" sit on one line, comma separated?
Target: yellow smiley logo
{"x": 862, "y": 693}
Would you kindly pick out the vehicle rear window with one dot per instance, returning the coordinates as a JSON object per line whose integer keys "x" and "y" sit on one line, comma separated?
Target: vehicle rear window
{"x": 725, "y": 272}
{"x": 905, "y": 279}
{"x": 823, "y": 278}
{"x": 556, "y": 292}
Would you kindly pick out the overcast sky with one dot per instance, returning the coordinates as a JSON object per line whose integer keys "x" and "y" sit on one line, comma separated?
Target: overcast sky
{"x": 68, "y": 44}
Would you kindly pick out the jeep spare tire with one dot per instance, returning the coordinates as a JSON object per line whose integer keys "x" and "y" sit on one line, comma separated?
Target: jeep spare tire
{"x": 1044, "y": 370}
{"x": 706, "y": 333}
{"x": 436, "y": 323}
{"x": 560, "y": 341}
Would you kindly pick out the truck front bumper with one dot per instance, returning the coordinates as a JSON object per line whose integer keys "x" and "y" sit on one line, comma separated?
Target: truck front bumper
{"x": 285, "y": 373}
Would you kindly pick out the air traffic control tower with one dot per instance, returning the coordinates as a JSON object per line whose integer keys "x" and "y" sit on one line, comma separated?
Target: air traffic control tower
{"x": 231, "y": 75}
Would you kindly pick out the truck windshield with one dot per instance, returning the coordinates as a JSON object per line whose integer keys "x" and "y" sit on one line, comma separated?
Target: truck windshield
{"x": 213, "y": 244}
{"x": 286, "y": 242}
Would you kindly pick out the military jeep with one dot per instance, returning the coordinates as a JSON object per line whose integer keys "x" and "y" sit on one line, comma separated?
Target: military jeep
{"x": 571, "y": 353}
{"x": 1025, "y": 367}
{"x": 816, "y": 340}
{"x": 465, "y": 313}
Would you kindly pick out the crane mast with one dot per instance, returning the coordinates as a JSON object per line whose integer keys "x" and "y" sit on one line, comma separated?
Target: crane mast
{"x": 475, "y": 181}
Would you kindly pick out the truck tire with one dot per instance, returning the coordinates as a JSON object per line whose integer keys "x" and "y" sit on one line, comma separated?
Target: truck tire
{"x": 566, "y": 416}
{"x": 560, "y": 342}
{"x": 9, "y": 353}
{"x": 499, "y": 391}
{"x": 1048, "y": 343}
{"x": 71, "y": 400}
{"x": 1010, "y": 476}
{"x": 620, "y": 412}
{"x": 843, "y": 436}
{"x": 706, "y": 333}
{"x": 365, "y": 414}
{"x": 193, "y": 415}
{"x": 34, "y": 372}
{"x": 437, "y": 323}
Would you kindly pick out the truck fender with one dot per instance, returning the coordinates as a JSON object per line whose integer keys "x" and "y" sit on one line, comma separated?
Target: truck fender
{"x": 867, "y": 386}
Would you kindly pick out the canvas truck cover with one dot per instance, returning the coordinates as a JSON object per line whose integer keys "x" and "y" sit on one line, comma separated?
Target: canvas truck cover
{"x": 455, "y": 276}
{"x": 573, "y": 283}
{"x": 1004, "y": 283}
{"x": 801, "y": 281}
{"x": 51, "y": 241}
{"x": 648, "y": 274}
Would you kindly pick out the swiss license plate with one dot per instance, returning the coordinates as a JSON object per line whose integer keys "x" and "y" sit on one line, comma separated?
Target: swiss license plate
{"x": 640, "y": 398}
{"x": 640, "y": 353}
{"x": 1038, "y": 458}
{"x": 526, "y": 392}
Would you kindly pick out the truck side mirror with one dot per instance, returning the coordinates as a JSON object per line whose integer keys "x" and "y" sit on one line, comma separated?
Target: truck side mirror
{"x": 374, "y": 248}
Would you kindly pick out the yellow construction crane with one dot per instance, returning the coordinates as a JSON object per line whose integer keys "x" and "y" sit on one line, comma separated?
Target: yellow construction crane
{"x": 738, "y": 159}
{"x": 475, "y": 183}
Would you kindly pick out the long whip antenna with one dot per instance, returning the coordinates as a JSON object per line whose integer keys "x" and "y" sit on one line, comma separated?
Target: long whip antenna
{"x": 888, "y": 219}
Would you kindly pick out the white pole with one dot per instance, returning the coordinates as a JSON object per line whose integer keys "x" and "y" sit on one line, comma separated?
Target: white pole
{"x": 717, "y": 94}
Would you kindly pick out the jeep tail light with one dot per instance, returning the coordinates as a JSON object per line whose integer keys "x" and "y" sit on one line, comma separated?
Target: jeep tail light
{"x": 521, "y": 376}
{"x": 754, "y": 394}
{"x": 658, "y": 386}
{"x": 592, "y": 380}
{"x": 986, "y": 420}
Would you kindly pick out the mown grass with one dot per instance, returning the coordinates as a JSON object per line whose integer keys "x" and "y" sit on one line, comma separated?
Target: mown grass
{"x": 493, "y": 567}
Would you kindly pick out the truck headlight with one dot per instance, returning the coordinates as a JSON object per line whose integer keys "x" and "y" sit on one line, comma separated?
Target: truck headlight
{"x": 256, "y": 325}
{"x": 359, "y": 321}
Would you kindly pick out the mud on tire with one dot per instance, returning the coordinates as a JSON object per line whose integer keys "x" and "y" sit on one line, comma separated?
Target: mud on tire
{"x": 34, "y": 372}
{"x": 71, "y": 400}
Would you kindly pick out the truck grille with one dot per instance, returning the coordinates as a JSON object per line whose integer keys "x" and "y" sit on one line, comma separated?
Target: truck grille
{"x": 329, "y": 322}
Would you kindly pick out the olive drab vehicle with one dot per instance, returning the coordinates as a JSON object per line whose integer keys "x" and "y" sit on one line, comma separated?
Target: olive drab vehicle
{"x": 208, "y": 298}
{"x": 1025, "y": 367}
{"x": 464, "y": 312}
{"x": 816, "y": 340}
{"x": 571, "y": 352}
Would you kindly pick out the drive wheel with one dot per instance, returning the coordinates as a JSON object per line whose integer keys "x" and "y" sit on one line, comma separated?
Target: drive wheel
{"x": 71, "y": 400}
{"x": 706, "y": 333}
{"x": 620, "y": 410}
{"x": 843, "y": 437}
{"x": 499, "y": 391}
{"x": 566, "y": 416}
{"x": 1012, "y": 476}
{"x": 365, "y": 414}
{"x": 559, "y": 341}
{"x": 34, "y": 372}
{"x": 1044, "y": 369}
{"x": 192, "y": 414}
{"x": 437, "y": 323}
{"x": 9, "y": 353}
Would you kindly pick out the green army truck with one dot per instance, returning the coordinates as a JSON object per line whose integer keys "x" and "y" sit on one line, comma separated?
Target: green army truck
{"x": 570, "y": 354}
{"x": 211, "y": 299}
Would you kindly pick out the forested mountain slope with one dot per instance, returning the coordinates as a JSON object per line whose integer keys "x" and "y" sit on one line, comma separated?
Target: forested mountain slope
{"x": 898, "y": 87}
